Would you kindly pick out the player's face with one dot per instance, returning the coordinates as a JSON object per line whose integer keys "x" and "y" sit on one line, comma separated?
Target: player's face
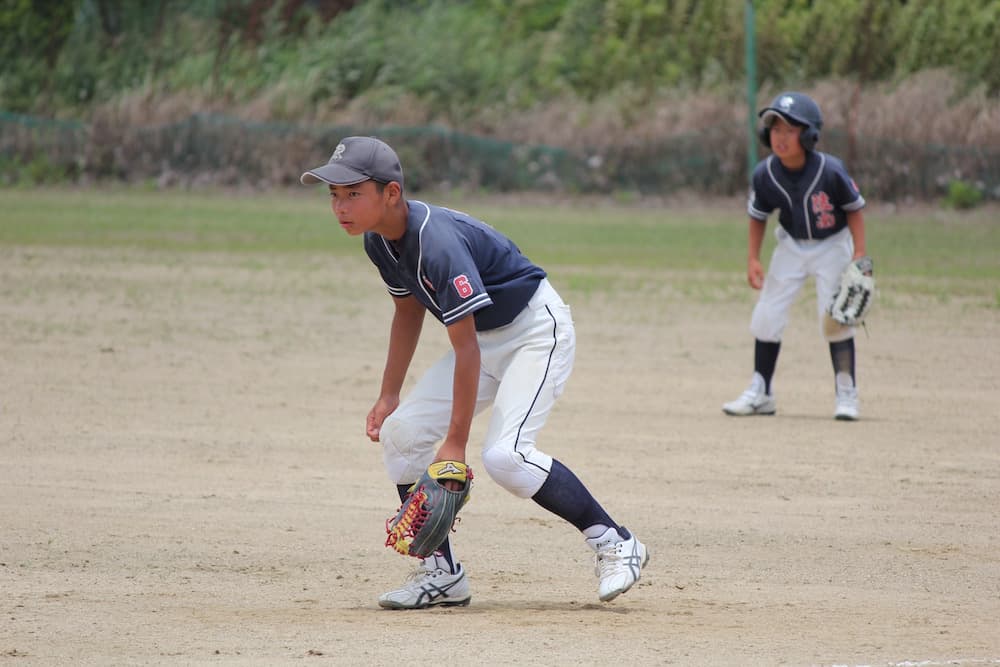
{"x": 360, "y": 208}
{"x": 785, "y": 142}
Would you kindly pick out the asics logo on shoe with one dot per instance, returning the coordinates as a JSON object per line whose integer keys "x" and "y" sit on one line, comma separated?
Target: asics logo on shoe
{"x": 634, "y": 561}
{"x": 430, "y": 592}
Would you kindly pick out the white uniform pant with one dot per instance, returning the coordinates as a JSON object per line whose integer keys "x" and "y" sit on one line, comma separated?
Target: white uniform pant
{"x": 524, "y": 368}
{"x": 792, "y": 262}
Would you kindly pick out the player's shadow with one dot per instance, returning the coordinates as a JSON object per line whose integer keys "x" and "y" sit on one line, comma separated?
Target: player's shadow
{"x": 507, "y": 606}
{"x": 814, "y": 417}
{"x": 798, "y": 416}
{"x": 594, "y": 607}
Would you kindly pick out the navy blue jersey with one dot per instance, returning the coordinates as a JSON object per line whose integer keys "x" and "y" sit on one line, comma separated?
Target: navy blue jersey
{"x": 455, "y": 266}
{"x": 812, "y": 203}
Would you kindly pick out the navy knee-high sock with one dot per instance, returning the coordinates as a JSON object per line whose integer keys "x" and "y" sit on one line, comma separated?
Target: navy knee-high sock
{"x": 842, "y": 356}
{"x": 564, "y": 495}
{"x": 765, "y": 358}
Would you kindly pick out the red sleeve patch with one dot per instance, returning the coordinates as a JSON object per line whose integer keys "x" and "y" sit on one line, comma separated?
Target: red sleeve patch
{"x": 462, "y": 286}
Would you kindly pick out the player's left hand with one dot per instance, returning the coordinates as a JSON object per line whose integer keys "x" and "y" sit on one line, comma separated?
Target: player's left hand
{"x": 428, "y": 514}
{"x": 865, "y": 262}
{"x": 451, "y": 450}
{"x": 855, "y": 294}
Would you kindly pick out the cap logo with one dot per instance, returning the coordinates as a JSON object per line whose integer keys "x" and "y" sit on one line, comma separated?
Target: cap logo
{"x": 786, "y": 102}
{"x": 338, "y": 152}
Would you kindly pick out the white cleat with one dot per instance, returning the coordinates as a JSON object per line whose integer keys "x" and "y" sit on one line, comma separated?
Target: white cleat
{"x": 618, "y": 562}
{"x": 847, "y": 399}
{"x": 432, "y": 584}
{"x": 754, "y": 401}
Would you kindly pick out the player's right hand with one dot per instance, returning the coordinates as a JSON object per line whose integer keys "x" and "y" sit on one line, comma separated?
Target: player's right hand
{"x": 384, "y": 407}
{"x": 755, "y": 273}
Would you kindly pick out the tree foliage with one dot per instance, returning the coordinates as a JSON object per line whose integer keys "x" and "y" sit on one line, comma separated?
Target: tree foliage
{"x": 454, "y": 55}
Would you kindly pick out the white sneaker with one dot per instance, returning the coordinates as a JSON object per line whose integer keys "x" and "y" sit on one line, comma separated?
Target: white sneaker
{"x": 847, "y": 399}
{"x": 753, "y": 401}
{"x": 431, "y": 584}
{"x": 618, "y": 562}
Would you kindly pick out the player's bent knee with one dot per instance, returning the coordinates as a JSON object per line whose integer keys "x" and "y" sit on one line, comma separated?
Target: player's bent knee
{"x": 397, "y": 434}
{"x": 510, "y": 470}
{"x": 767, "y": 334}
{"x": 401, "y": 470}
{"x": 406, "y": 452}
{"x": 766, "y": 325}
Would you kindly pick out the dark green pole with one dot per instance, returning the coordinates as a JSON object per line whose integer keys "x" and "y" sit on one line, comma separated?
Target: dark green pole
{"x": 751, "y": 67}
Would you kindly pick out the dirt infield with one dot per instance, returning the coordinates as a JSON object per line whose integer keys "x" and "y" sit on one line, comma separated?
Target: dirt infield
{"x": 184, "y": 479}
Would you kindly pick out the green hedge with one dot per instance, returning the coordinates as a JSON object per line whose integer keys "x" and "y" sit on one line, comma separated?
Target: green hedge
{"x": 458, "y": 56}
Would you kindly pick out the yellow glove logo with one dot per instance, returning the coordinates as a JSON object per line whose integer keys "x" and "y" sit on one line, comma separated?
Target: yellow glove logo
{"x": 454, "y": 470}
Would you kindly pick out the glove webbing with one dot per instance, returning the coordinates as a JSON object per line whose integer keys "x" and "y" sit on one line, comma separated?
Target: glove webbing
{"x": 401, "y": 535}
{"x": 853, "y": 294}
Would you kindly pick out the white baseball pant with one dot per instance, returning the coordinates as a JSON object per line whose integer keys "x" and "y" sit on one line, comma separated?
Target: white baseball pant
{"x": 792, "y": 262}
{"x": 524, "y": 368}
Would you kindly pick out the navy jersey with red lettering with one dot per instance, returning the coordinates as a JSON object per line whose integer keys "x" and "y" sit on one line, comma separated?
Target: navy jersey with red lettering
{"x": 455, "y": 265}
{"x": 812, "y": 203}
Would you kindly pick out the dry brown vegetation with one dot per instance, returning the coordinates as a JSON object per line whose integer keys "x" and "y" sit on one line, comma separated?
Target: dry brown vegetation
{"x": 927, "y": 108}
{"x": 905, "y": 142}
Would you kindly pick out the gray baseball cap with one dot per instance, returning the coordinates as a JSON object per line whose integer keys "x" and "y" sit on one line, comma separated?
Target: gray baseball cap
{"x": 357, "y": 159}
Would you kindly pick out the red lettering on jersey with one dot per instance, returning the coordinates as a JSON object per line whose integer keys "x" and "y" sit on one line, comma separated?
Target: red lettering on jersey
{"x": 823, "y": 209}
{"x": 462, "y": 286}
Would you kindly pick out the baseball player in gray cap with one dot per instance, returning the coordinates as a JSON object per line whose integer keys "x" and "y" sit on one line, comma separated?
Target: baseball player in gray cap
{"x": 512, "y": 342}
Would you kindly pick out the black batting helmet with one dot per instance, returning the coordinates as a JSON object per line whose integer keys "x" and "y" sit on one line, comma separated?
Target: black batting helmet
{"x": 798, "y": 109}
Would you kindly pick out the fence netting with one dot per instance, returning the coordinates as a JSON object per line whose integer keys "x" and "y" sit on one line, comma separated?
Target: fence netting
{"x": 218, "y": 150}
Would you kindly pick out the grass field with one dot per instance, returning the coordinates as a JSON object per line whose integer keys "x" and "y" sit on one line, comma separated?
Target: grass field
{"x": 923, "y": 248}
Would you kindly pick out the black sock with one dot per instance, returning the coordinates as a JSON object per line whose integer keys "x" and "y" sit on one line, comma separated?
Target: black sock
{"x": 765, "y": 358}
{"x": 842, "y": 356}
{"x": 445, "y": 549}
{"x": 564, "y": 495}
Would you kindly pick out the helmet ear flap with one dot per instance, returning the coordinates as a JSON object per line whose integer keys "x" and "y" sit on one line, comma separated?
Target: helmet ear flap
{"x": 809, "y": 137}
{"x": 764, "y": 134}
